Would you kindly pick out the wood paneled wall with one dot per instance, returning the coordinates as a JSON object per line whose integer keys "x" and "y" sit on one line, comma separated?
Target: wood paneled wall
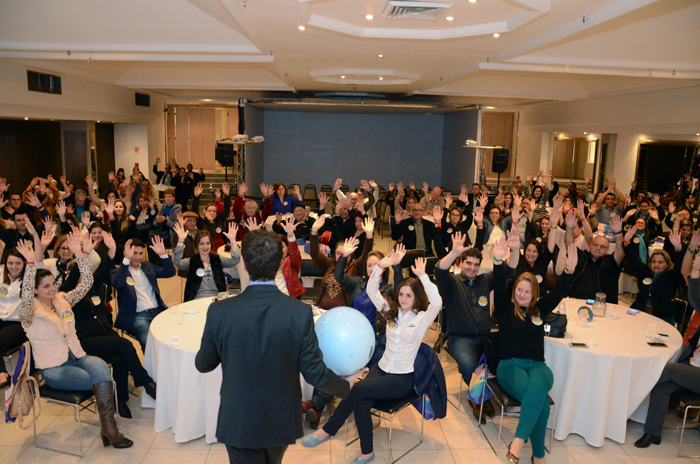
{"x": 192, "y": 134}
{"x": 499, "y": 131}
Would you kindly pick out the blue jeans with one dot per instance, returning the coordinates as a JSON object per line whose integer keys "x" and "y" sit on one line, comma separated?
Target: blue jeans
{"x": 77, "y": 374}
{"x": 142, "y": 323}
{"x": 466, "y": 351}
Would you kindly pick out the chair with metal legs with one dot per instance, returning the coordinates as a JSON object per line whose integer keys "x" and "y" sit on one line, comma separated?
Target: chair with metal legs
{"x": 391, "y": 408}
{"x": 691, "y": 401}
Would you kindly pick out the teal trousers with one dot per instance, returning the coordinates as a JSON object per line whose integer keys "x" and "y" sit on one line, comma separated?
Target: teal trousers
{"x": 528, "y": 382}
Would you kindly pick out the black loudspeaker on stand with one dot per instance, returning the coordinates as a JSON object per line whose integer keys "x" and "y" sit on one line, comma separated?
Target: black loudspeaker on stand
{"x": 499, "y": 164}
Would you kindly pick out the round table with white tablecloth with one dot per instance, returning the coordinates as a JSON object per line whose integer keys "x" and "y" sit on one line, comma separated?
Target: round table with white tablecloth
{"x": 596, "y": 389}
{"x": 188, "y": 401}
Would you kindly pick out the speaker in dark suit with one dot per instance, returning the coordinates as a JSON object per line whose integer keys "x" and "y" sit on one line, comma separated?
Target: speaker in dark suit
{"x": 500, "y": 161}
{"x": 263, "y": 339}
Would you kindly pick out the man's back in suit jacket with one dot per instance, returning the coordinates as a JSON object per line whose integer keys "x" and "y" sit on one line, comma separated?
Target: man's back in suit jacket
{"x": 263, "y": 339}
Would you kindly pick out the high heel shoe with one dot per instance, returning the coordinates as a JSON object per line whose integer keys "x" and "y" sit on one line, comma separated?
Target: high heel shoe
{"x": 512, "y": 459}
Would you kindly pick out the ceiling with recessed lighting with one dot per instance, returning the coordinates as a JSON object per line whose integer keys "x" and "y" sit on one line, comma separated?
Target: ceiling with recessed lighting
{"x": 190, "y": 50}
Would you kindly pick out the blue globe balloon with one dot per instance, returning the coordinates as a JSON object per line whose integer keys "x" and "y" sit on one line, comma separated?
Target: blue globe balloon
{"x": 346, "y": 339}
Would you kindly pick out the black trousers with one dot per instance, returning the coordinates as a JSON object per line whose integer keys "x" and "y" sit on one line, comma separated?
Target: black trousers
{"x": 378, "y": 385}
{"x": 256, "y": 455}
{"x": 121, "y": 354}
{"x": 11, "y": 335}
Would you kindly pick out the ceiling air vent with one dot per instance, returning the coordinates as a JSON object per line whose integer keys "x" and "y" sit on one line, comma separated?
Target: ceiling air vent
{"x": 143, "y": 99}
{"x": 406, "y": 9}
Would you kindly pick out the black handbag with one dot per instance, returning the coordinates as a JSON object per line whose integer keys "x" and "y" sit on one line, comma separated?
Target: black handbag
{"x": 555, "y": 325}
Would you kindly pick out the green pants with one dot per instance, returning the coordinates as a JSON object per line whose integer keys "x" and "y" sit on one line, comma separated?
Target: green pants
{"x": 528, "y": 382}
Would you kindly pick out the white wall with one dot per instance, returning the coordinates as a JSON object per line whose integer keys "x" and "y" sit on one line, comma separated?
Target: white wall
{"x": 672, "y": 114}
{"x": 128, "y": 137}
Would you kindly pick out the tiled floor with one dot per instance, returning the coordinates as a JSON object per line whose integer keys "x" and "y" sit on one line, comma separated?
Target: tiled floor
{"x": 453, "y": 440}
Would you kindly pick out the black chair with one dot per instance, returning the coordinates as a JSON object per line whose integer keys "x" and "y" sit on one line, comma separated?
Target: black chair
{"x": 77, "y": 400}
{"x": 311, "y": 293}
{"x": 683, "y": 313}
{"x": 391, "y": 408}
{"x": 344, "y": 188}
{"x": 509, "y": 407}
{"x": 691, "y": 401}
{"x": 410, "y": 258}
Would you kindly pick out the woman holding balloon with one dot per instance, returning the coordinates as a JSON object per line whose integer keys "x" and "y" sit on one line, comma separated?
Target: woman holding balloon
{"x": 407, "y": 316}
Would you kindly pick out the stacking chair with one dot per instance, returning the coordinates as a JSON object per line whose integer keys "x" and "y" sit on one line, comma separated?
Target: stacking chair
{"x": 344, "y": 188}
{"x": 683, "y": 313}
{"x": 79, "y": 400}
{"x": 509, "y": 407}
{"x": 309, "y": 196}
{"x": 691, "y": 401}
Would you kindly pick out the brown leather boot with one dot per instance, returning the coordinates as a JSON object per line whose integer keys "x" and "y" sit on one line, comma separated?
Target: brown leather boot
{"x": 488, "y": 409}
{"x": 477, "y": 411}
{"x": 104, "y": 398}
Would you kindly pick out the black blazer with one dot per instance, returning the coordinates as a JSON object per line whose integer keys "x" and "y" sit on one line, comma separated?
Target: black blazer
{"x": 431, "y": 234}
{"x": 263, "y": 339}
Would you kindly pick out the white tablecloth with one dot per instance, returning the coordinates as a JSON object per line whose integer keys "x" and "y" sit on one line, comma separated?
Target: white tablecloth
{"x": 188, "y": 401}
{"x": 597, "y": 389}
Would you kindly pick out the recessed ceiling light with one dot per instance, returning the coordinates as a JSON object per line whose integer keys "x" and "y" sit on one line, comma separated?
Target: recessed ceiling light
{"x": 381, "y": 78}
{"x": 490, "y": 107}
{"x": 380, "y": 56}
{"x": 302, "y": 28}
{"x": 585, "y": 133}
{"x": 26, "y": 119}
{"x": 342, "y": 77}
{"x": 98, "y": 121}
{"x": 370, "y": 17}
{"x": 698, "y": 134}
{"x": 472, "y": 1}
{"x": 497, "y": 34}
{"x": 449, "y": 18}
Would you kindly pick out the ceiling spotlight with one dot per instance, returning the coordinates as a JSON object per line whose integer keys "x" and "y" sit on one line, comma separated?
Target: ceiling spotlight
{"x": 497, "y": 34}
{"x": 380, "y": 56}
{"x": 449, "y": 18}
{"x": 26, "y": 119}
{"x": 302, "y": 28}
{"x": 381, "y": 78}
{"x": 585, "y": 133}
{"x": 697, "y": 135}
{"x": 342, "y": 77}
{"x": 98, "y": 121}
{"x": 490, "y": 107}
{"x": 472, "y": 1}
{"x": 369, "y": 17}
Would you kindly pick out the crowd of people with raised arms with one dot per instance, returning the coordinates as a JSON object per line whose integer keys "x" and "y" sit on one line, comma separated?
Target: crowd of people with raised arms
{"x": 545, "y": 242}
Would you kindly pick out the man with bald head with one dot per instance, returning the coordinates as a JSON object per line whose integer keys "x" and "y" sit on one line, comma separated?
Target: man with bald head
{"x": 597, "y": 271}
{"x": 432, "y": 199}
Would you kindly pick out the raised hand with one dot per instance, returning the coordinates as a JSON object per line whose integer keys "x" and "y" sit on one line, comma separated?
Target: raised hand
{"x": 198, "y": 189}
{"x": 400, "y": 188}
{"x": 180, "y": 219}
{"x": 513, "y": 241}
{"x": 157, "y": 245}
{"x": 289, "y": 225}
{"x": 109, "y": 207}
{"x": 110, "y": 177}
{"x": 318, "y": 223}
{"x": 350, "y": 246}
{"x": 675, "y": 238}
{"x": 74, "y": 242}
{"x": 243, "y": 188}
{"x": 628, "y": 200}
{"x": 152, "y": 203}
{"x": 483, "y": 200}
{"x": 479, "y": 215}
{"x": 425, "y": 188}
{"x": 46, "y": 238}
{"x": 391, "y": 186}
{"x": 322, "y": 200}
{"x": 4, "y": 186}
{"x": 88, "y": 244}
{"x": 616, "y": 223}
{"x": 593, "y": 208}
{"x": 3, "y": 202}
{"x": 580, "y": 211}
{"x": 373, "y": 184}
{"x": 252, "y": 224}
{"x": 33, "y": 200}
{"x": 411, "y": 185}
{"x": 368, "y": 227}
{"x": 630, "y": 233}
{"x": 533, "y": 204}
{"x": 338, "y": 183}
{"x": 180, "y": 232}
{"x": 365, "y": 185}
{"x": 571, "y": 219}
{"x": 30, "y": 227}
{"x": 26, "y": 250}
{"x": 458, "y": 239}
{"x": 398, "y": 215}
{"x": 297, "y": 191}
{"x": 108, "y": 240}
{"x": 438, "y": 213}
{"x": 85, "y": 218}
{"x": 88, "y": 180}
{"x": 695, "y": 240}
{"x": 263, "y": 189}
{"x": 226, "y": 188}
{"x": 448, "y": 201}
{"x": 671, "y": 207}
{"x": 418, "y": 267}
{"x": 654, "y": 214}
{"x": 48, "y": 223}
{"x": 500, "y": 250}
{"x": 571, "y": 258}
{"x": 557, "y": 203}
{"x": 398, "y": 254}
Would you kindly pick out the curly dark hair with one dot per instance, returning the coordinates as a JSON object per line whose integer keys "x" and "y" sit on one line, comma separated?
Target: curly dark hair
{"x": 420, "y": 301}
